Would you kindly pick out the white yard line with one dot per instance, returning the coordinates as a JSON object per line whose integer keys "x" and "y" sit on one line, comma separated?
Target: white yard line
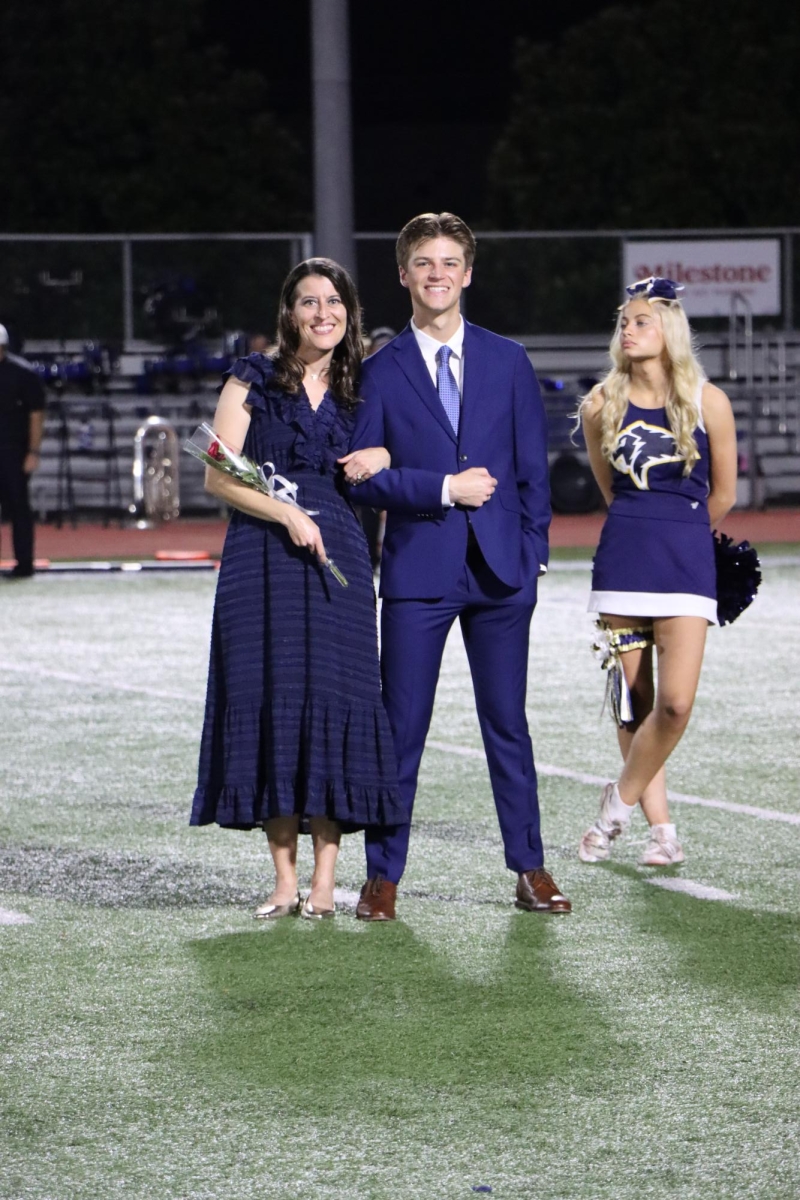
{"x": 9, "y": 917}
{"x": 99, "y": 684}
{"x": 745, "y": 810}
{"x": 700, "y": 891}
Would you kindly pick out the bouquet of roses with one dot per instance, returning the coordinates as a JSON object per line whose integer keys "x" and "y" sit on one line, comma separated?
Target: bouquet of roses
{"x": 209, "y": 448}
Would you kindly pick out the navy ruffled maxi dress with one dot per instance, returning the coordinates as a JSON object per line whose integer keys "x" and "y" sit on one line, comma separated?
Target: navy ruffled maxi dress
{"x": 294, "y": 720}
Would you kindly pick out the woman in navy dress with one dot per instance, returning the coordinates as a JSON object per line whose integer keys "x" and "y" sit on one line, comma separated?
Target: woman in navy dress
{"x": 662, "y": 446}
{"x": 295, "y": 731}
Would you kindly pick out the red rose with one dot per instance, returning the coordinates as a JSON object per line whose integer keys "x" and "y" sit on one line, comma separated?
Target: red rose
{"x": 216, "y": 452}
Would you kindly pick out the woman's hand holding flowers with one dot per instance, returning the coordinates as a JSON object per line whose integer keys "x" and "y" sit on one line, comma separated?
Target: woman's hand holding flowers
{"x": 304, "y": 532}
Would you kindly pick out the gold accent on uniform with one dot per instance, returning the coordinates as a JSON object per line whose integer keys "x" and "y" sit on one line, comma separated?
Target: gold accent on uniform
{"x": 608, "y": 646}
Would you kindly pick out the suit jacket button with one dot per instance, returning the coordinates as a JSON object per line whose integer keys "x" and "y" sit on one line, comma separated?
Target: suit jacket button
{"x": 462, "y": 458}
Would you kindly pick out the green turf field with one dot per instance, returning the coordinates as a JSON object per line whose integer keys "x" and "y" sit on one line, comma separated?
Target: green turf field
{"x": 157, "y": 1042}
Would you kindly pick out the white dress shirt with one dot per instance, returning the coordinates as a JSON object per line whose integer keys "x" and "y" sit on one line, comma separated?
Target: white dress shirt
{"x": 429, "y": 348}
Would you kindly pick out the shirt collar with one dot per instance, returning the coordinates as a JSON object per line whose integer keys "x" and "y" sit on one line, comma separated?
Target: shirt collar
{"x": 430, "y": 346}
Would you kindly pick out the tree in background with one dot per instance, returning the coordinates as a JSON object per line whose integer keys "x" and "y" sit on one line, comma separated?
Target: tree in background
{"x": 120, "y": 117}
{"x": 672, "y": 114}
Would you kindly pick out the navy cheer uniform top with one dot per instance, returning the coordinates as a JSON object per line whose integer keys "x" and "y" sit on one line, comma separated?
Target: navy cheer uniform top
{"x": 656, "y": 553}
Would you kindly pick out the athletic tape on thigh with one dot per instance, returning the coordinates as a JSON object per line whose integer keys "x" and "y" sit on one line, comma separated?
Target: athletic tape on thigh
{"x": 608, "y": 647}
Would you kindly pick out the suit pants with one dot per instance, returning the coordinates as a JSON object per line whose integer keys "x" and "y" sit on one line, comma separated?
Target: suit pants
{"x": 495, "y": 622}
{"x": 15, "y": 504}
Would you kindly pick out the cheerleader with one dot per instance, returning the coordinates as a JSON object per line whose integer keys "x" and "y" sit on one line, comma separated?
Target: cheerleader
{"x": 662, "y": 447}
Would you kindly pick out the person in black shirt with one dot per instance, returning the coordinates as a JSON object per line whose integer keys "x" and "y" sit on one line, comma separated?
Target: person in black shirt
{"x": 21, "y": 424}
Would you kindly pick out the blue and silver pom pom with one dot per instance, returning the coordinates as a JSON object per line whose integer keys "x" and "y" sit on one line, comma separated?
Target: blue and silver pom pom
{"x": 738, "y": 577}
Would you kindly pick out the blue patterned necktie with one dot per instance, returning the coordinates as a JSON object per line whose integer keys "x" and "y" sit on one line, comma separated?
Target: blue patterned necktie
{"x": 447, "y": 387}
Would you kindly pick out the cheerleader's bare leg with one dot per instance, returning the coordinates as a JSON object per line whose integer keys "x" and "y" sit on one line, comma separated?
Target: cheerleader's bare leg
{"x": 638, "y": 668}
{"x": 647, "y": 741}
{"x": 680, "y": 643}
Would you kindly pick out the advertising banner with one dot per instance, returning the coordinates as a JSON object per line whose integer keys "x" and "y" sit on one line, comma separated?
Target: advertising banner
{"x": 711, "y": 271}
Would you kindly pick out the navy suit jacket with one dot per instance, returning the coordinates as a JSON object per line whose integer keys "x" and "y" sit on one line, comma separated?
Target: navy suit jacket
{"x": 502, "y": 427}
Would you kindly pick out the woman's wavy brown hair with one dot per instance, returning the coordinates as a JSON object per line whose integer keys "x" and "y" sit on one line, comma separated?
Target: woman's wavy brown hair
{"x": 347, "y": 356}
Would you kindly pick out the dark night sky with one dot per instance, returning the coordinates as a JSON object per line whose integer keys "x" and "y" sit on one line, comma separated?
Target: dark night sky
{"x": 431, "y": 89}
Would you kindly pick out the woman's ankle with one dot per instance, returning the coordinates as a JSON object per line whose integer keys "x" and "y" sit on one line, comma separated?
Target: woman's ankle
{"x": 285, "y": 888}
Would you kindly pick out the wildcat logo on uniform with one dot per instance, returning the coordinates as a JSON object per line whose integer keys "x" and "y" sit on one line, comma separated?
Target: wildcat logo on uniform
{"x": 641, "y": 446}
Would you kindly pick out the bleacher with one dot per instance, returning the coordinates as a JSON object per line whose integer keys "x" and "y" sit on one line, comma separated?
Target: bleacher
{"x": 761, "y": 375}
{"x": 88, "y": 453}
{"x": 96, "y": 406}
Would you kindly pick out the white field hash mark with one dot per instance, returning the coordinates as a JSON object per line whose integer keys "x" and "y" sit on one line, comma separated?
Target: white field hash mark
{"x": 746, "y": 810}
{"x": 9, "y": 917}
{"x": 700, "y": 891}
{"x": 95, "y": 684}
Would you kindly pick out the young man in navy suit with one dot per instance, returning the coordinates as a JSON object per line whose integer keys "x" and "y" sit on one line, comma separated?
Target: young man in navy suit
{"x": 468, "y": 512}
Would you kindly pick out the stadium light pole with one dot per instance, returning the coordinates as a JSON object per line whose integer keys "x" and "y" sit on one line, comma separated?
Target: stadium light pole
{"x": 333, "y": 154}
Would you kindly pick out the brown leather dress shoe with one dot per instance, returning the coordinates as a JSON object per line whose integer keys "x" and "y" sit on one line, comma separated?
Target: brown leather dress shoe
{"x": 376, "y": 902}
{"x": 537, "y": 892}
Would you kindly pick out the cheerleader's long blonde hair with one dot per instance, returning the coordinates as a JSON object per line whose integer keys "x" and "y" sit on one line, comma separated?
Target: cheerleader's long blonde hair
{"x": 684, "y": 373}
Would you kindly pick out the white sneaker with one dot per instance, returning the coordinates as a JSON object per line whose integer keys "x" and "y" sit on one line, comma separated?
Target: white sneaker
{"x": 595, "y": 845}
{"x": 662, "y": 850}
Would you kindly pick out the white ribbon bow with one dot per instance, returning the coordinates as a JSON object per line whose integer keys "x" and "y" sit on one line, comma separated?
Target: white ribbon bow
{"x": 281, "y": 488}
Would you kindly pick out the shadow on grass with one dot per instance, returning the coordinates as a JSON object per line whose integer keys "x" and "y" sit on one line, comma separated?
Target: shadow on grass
{"x": 364, "y": 1006}
{"x": 752, "y": 956}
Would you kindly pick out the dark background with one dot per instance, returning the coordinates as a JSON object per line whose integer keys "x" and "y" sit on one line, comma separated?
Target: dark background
{"x": 431, "y": 90}
{"x": 196, "y": 115}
